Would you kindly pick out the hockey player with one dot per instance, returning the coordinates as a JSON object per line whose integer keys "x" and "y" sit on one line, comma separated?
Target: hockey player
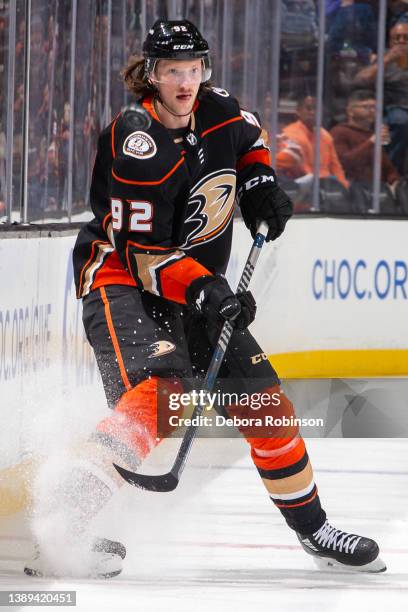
{"x": 149, "y": 268}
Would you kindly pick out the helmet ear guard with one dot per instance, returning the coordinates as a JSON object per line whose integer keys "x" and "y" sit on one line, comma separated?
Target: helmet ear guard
{"x": 207, "y": 69}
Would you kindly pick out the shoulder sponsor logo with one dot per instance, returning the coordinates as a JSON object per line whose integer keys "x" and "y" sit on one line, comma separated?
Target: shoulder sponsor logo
{"x": 160, "y": 348}
{"x": 221, "y": 92}
{"x": 139, "y": 145}
{"x": 250, "y": 118}
{"x": 210, "y": 207}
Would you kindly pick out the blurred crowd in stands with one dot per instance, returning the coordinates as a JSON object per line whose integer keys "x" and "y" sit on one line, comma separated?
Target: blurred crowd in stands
{"x": 50, "y": 123}
{"x": 347, "y": 136}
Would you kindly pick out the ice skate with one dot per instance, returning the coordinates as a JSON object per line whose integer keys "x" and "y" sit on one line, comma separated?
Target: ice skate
{"x": 333, "y": 548}
{"x": 105, "y": 561}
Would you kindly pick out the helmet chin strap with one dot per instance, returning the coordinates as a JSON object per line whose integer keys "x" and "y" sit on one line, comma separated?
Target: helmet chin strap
{"x": 158, "y": 98}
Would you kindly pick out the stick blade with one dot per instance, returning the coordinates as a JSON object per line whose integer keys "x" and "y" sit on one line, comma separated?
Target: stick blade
{"x": 160, "y": 484}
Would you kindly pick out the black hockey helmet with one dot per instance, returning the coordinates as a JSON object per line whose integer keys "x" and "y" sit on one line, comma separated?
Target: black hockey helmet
{"x": 179, "y": 40}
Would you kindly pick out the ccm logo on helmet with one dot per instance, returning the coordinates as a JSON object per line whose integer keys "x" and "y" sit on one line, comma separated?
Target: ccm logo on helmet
{"x": 139, "y": 145}
{"x": 182, "y": 47}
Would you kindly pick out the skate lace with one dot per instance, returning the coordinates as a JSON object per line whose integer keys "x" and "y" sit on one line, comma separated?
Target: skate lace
{"x": 330, "y": 537}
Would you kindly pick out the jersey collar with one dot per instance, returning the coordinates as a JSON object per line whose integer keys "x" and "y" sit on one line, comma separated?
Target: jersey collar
{"x": 147, "y": 103}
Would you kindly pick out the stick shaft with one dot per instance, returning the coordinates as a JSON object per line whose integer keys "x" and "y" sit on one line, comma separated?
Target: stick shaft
{"x": 219, "y": 352}
{"x": 169, "y": 481}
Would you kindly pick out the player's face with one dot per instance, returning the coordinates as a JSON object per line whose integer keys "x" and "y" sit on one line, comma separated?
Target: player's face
{"x": 178, "y": 82}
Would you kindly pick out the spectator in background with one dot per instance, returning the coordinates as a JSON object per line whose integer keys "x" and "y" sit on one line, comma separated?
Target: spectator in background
{"x": 354, "y": 141}
{"x": 351, "y": 40}
{"x": 331, "y": 8}
{"x": 298, "y": 50}
{"x": 341, "y": 69}
{"x": 395, "y": 90}
{"x": 38, "y": 77}
{"x": 352, "y": 25}
{"x": 396, "y": 10}
{"x": 297, "y": 147}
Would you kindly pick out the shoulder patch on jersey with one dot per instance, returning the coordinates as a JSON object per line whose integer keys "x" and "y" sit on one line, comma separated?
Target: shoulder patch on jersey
{"x": 221, "y": 92}
{"x": 139, "y": 145}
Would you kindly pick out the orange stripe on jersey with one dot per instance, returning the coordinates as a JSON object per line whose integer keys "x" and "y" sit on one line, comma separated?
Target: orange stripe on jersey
{"x": 162, "y": 180}
{"x": 176, "y": 277}
{"x": 112, "y": 272}
{"x": 303, "y": 503}
{"x": 114, "y": 339}
{"x": 92, "y": 255}
{"x": 149, "y": 106}
{"x": 105, "y": 220}
{"x": 113, "y": 138}
{"x": 262, "y": 156}
{"x": 220, "y": 125}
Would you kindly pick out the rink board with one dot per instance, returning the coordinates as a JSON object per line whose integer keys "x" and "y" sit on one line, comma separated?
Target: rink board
{"x": 332, "y": 298}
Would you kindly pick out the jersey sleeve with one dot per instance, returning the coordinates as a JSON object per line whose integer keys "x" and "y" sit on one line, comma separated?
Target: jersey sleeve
{"x": 254, "y": 168}
{"x": 100, "y": 185}
{"x": 145, "y": 201}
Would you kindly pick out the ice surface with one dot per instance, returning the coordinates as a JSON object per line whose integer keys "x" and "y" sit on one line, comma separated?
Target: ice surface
{"x": 217, "y": 543}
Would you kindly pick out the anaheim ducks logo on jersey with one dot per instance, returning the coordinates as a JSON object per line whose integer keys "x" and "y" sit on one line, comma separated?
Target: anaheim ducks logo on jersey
{"x": 161, "y": 347}
{"x": 210, "y": 207}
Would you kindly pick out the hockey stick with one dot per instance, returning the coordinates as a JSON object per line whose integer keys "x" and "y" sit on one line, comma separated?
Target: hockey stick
{"x": 168, "y": 482}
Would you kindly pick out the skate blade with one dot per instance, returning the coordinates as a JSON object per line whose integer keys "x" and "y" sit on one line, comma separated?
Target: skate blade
{"x": 105, "y": 575}
{"x": 374, "y": 567}
{"x": 32, "y": 572}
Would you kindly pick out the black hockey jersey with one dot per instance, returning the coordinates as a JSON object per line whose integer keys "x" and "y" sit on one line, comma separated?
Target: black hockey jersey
{"x": 163, "y": 212}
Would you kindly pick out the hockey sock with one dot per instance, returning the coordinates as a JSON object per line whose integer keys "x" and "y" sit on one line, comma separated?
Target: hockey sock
{"x": 283, "y": 464}
{"x": 83, "y": 491}
{"x": 131, "y": 430}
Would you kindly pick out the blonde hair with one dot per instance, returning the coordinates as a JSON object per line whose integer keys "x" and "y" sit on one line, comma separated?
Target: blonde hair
{"x": 135, "y": 77}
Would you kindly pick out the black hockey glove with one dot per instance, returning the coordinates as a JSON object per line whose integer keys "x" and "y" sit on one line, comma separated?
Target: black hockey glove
{"x": 265, "y": 203}
{"x": 212, "y": 297}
